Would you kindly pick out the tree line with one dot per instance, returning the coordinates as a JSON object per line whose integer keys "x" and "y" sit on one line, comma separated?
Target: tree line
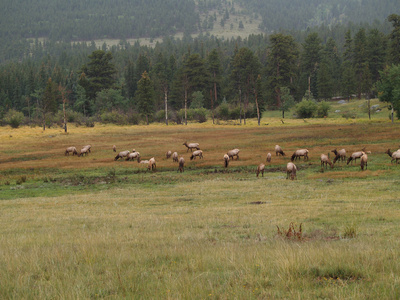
{"x": 196, "y": 78}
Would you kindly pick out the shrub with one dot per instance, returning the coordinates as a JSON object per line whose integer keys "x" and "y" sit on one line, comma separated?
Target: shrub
{"x": 159, "y": 116}
{"x": 200, "y": 115}
{"x": 222, "y": 111}
{"x": 14, "y": 118}
{"x": 323, "y": 109}
{"x": 306, "y": 109}
{"x": 114, "y": 117}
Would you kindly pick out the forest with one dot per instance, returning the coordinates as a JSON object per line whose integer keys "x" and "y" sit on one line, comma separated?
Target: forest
{"x": 59, "y": 79}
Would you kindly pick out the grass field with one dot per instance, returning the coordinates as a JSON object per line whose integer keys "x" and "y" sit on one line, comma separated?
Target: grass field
{"x": 91, "y": 227}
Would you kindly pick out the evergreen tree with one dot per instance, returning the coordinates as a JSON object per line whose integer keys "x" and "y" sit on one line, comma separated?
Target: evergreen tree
{"x": 395, "y": 39}
{"x": 389, "y": 88}
{"x": 214, "y": 68}
{"x": 310, "y": 59}
{"x": 98, "y": 74}
{"x": 376, "y": 52}
{"x": 282, "y": 65}
{"x": 49, "y": 100}
{"x": 145, "y": 97}
{"x": 361, "y": 66}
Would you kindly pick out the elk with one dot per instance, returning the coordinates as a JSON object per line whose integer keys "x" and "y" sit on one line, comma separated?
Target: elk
{"x": 339, "y": 155}
{"x": 364, "y": 161}
{"x": 291, "y": 169}
{"x": 191, "y": 146}
{"x": 196, "y": 153}
{"x": 84, "y": 151}
{"x": 114, "y": 148}
{"x": 71, "y": 149}
{"x": 122, "y": 154}
{"x": 175, "y": 156}
{"x": 269, "y": 157}
{"x": 233, "y": 152}
{"x": 226, "y": 160}
{"x": 133, "y": 155}
{"x": 168, "y": 154}
{"x": 260, "y": 169}
{"x": 298, "y": 153}
{"x": 181, "y": 164}
{"x": 325, "y": 161}
{"x": 394, "y": 155}
{"x": 88, "y": 147}
{"x": 356, "y": 155}
{"x": 152, "y": 164}
{"x": 279, "y": 151}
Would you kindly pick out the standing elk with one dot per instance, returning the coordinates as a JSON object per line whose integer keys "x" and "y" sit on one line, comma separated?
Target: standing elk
{"x": 356, "y": 155}
{"x": 233, "y": 152}
{"x": 298, "y": 153}
{"x": 196, "y": 153}
{"x": 181, "y": 164}
{"x": 191, "y": 146}
{"x": 168, "y": 154}
{"x": 339, "y": 155}
{"x": 364, "y": 161}
{"x": 292, "y": 170}
{"x": 114, "y": 148}
{"x": 279, "y": 151}
{"x": 325, "y": 161}
{"x": 260, "y": 169}
{"x": 269, "y": 157}
{"x": 394, "y": 155}
{"x": 71, "y": 149}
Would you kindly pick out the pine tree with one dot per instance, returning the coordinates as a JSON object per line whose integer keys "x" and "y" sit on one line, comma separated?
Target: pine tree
{"x": 310, "y": 59}
{"x": 145, "y": 96}
{"x": 49, "y": 100}
{"x": 395, "y": 39}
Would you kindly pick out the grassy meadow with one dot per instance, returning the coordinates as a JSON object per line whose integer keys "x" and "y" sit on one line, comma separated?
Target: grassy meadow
{"x": 91, "y": 227}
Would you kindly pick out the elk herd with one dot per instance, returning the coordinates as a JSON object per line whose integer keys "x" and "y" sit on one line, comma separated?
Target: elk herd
{"x": 291, "y": 169}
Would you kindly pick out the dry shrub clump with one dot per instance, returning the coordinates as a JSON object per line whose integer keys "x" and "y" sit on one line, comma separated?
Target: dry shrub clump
{"x": 292, "y": 233}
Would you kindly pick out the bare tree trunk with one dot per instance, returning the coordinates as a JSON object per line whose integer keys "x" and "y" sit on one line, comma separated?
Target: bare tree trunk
{"x": 65, "y": 116}
{"x": 166, "y": 104}
{"x": 185, "y": 106}
{"x": 216, "y": 99}
{"x": 240, "y": 105}
{"x": 258, "y": 110}
{"x": 212, "y": 105}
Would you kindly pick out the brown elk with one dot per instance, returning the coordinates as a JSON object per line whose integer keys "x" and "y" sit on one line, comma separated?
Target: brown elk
{"x": 181, "y": 164}
{"x": 339, "y": 155}
{"x": 71, "y": 149}
{"x": 269, "y": 157}
{"x": 356, "y": 155}
{"x": 226, "y": 160}
{"x": 298, "y": 153}
{"x": 279, "y": 151}
{"x": 394, "y": 155}
{"x": 168, "y": 154}
{"x": 292, "y": 170}
{"x": 260, "y": 169}
{"x": 133, "y": 155}
{"x": 191, "y": 146}
{"x": 325, "y": 161}
{"x": 364, "y": 161}
{"x": 196, "y": 153}
{"x": 152, "y": 164}
{"x": 122, "y": 154}
{"x": 233, "y": 152}
{"x": 175, "y": 156}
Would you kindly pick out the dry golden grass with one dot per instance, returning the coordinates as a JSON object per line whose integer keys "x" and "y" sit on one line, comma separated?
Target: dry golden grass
{"x": 206, "y": 233}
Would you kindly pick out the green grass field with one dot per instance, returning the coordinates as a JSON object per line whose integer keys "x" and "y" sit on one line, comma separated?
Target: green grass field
{"x": 91, "y": 227}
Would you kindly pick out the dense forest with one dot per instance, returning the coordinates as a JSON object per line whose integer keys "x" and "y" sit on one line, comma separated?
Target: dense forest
{"x": 45, "y": 81}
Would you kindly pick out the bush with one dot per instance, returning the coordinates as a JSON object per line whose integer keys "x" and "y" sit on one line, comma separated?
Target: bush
{"x": 159, "y": 116}
{"x": 14, "y": 118}
{"x": 306, "y": 109}
{"x": 200, "y": 115}
{"x": 323, "y": 109}
{"x": 114, "y": 117}
{"x": 222, "y": 112}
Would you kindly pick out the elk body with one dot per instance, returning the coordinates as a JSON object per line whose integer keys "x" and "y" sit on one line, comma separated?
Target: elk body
{"x": 175, "y": 156}
{"x": 114, "y": 148}
{"x": 364, "y": 161}
{"x": 226, "y": 160}
{"x": 152, "y": 164}
{"x": 394, "y": 155}
{"x": 72, "y": 150}
{"x": 291, "y": 170}
{"x": 339, "y": 155}
{"x": 181, "y": 164}
{"x": 269, "y": 157}
{"x": 122, "y": 154}
{"x": 191, "y": 146}
{"x": 299, "y": 153}
{"x": 279, "y": 151}
{"x": 325, "y": 161}
{"x": 260, "y": 169}
{"x": 84, "y": 151}
{"x": 133, "y": 155}
{"x": 356, "y": 155}
{"x": 233, "y": 152}
{"x": 196, "y": 153}
{"x": 168, "y": 154}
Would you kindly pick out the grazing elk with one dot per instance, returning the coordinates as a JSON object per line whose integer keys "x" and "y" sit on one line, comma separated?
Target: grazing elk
{"x": 292, "y": 170}
{"x": 181, "y": 164}
{"x": 168, "y": 154}
{"x": 114, "y": 148}
{"x": 325, "y": 161}
{"x": 298, "y": 153}
{"x": 260, "y": 169}
{"x": 196, "y": 153}
{"x": 394, "y": 155}
{"x": 122, "y": 154}
{"x": 269, "y": 157}
{"x": 152, "y": 164}
{"x": 191, "y": 146}
{"x": 71, "y": 149}
{"x": 233, "y": 152}
{"x": 133, "y": 155}
{"x": 339, "y": 155}
{"x": 226, "y": 160}
{"x": 175, "y": 156}
{"x": 279, "y": 151}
